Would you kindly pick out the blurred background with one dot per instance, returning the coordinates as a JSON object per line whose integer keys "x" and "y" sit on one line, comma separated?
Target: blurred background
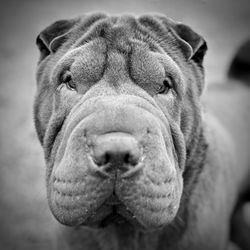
{"x": 25, "y": 220}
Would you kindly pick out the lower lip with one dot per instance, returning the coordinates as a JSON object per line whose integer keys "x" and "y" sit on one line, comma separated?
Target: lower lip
{"x": 112, "y": 218}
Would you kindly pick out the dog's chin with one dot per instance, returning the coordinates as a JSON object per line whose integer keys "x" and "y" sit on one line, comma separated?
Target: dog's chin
{"x": 112, "y": 212}
{"x": 112, "y": 215}
{"x": 106, "y": 215}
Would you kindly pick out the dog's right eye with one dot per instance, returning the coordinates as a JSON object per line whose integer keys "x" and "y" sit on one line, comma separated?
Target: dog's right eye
{"x": 68, "y": 81}
{"x": 165, "y": 87}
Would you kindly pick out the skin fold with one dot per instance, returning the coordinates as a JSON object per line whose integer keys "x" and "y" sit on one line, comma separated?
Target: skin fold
{"x": 137, "y": 156}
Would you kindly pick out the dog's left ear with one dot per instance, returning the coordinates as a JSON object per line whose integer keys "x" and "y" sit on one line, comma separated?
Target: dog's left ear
{"x": 193, "y": 45}
{"x": 52, "y": 37}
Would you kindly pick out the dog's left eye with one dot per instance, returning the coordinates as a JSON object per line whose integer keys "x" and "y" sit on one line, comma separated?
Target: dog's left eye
{"x": 67, "y": 80}
{"x": 165, "y": 86}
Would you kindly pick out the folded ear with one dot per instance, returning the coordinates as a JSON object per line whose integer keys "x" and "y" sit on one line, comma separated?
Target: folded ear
{"x": 52, "y": 37}
{"x": 193, "y": 45}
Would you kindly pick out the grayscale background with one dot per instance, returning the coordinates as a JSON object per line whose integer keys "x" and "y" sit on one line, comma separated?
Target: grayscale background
{"x": 25, "y": 220}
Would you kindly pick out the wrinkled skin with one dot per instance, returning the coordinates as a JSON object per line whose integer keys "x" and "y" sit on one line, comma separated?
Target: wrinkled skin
{"x": 119, "y": 117}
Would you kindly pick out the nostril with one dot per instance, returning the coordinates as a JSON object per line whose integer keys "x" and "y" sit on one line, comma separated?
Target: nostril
{"x": 101, "y": 159}
{"x": 131, "y": 159}
{"x": 115, "y": 158}
{"x": 126, "y": 158}
{"x": 106, "y": 158}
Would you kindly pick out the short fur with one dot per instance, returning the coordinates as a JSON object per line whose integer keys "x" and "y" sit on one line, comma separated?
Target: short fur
{"x": 193, "y": 151}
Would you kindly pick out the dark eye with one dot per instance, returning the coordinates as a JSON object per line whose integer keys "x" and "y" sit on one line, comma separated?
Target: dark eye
{"x": 67, "y": 80}
{"x": 165, "y": 86}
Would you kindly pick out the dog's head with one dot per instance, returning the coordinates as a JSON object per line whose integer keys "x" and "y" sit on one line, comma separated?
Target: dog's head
{"x": 116, "y": 112}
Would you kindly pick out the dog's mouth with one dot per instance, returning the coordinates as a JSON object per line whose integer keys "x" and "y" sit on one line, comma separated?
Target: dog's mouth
{"x": 128, "y": 202}
{"x": 114, "y": 216}
{"x": 113, "y": 211}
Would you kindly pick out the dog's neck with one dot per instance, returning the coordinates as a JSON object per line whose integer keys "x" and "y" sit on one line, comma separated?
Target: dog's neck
{"x": 196, "y": 156}
{"x": 124, "y": 236}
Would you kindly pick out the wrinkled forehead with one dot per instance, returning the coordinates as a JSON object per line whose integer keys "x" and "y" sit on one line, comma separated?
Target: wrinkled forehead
{"x": 123, "y": 47}
{"x": 122, "y": 32}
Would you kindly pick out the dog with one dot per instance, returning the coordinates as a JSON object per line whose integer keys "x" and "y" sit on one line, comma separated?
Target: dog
{"x": 137, "y": 156}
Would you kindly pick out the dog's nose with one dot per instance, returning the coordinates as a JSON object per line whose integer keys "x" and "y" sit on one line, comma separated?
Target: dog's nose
{"x": 116, "y": 150}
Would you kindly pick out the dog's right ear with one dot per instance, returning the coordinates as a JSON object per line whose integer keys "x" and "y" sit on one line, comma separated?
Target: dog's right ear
{"x": 52, "y": 37}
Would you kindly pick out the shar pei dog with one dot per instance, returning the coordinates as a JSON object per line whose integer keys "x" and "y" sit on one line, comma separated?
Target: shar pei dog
{"x": 136, "y": 157}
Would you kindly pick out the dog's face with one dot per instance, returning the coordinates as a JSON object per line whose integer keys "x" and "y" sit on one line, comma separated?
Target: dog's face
{"x": 115, "y": 111}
